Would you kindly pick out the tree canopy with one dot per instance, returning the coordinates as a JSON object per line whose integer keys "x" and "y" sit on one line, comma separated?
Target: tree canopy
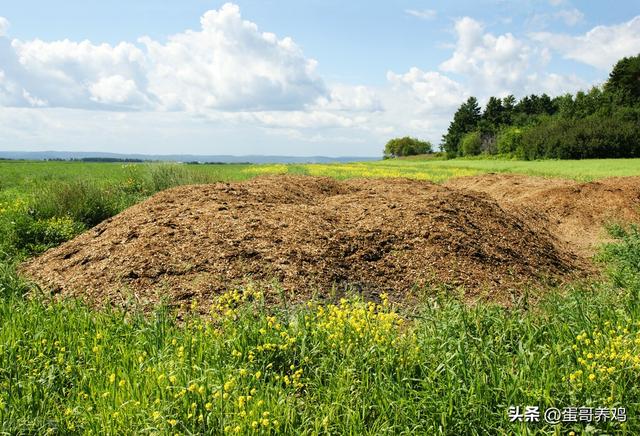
{"x": 406, "y": 146}
{"x": 624, "y": 80}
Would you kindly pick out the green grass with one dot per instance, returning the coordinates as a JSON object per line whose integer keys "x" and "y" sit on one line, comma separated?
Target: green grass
{"x": 352, "y": 368}
{"x": 25, "y": 176}
{"x": 584, "y": 170}
{"x": 32, "y": 174}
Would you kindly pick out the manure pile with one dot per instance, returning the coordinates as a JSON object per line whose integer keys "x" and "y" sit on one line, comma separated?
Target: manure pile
{"x": 310, "y": 235}
{"x": 574, "y": 212}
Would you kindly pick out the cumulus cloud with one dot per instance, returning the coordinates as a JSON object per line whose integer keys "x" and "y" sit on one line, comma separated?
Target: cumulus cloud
{"x": 229, "y": 64}
{"x": 231, "y": 81}
{"x": 494, "y": 62}
{"x": 431, "y": 89}
{"x": 117, "y": 90}
{"x": 76, "y": 74}
{"x": 423, "y": 14}
{"x": 12, "y": 76}
{"x": 600, "y": 47}
{"x": 503, "y": 64}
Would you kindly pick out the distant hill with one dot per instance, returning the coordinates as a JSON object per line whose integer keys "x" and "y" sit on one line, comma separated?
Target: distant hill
{"x": 99, "y": 156}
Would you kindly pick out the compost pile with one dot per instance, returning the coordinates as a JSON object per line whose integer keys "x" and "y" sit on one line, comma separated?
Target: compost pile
{"x": 574, "y": 212}
{"x": 303, "y": 236}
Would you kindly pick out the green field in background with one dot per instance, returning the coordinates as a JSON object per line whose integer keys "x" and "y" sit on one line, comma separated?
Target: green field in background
{"x": 26, "y": 175}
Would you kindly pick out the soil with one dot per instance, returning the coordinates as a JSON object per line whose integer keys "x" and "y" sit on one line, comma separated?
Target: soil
{"x": 488, "y": 237}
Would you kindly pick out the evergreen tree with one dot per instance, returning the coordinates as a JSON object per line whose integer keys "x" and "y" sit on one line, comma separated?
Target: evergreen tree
{"x": 527, "y": 105}
{"x": 624, "y": 80}
{"x": 508, "y": 107}
{"x": 493, "y": 113}
{"x": 601, "y": 122}
{"x": 465, "y": 120}
{"x": 545, "y": 105}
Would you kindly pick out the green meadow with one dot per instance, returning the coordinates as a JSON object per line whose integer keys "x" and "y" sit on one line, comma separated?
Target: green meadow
{"x": 22, "y": 175}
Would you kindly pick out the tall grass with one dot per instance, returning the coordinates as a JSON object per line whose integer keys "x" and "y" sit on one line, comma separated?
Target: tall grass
{"x": 85, "y": 202}
{"x": 165, "y": 176}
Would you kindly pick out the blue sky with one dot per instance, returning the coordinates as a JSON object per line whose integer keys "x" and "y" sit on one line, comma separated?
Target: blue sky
{"x": 284, "y": 77}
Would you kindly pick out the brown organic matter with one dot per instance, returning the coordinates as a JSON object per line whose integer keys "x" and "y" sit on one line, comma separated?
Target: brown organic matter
{"x": 576, "y": 213}
{"x": 298, "y": 236}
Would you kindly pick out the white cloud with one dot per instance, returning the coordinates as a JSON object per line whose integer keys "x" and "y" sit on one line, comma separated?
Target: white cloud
{"x": 116, "y": 90}
{"x": 600, "y": 47}
{"x": 423, "y": 14}
{"x": 67, "y": 73}
{"x": 229, "y": 64}
{"x": 554, "y": 84}
{"x": 556, "y": 2}
{"x": 33, "y": 101}
{"x": 304, "y": 119}
{"x": 4, "y": 26}
{"x": 571, "y": 17}
{"x": 230, "y": 85}
{"x": 432, "y": 90}
{"x": 495, "y": 63}
{"x": 351, "y": 98}
{"x": 503, "y": 64}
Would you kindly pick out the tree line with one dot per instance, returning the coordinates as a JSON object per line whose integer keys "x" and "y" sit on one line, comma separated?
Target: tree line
{"x": 601, "y": 123}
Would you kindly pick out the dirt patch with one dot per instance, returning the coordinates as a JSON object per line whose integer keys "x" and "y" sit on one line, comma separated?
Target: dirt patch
{"x": 310, "y": 235}
{"x": 574, "y": 212}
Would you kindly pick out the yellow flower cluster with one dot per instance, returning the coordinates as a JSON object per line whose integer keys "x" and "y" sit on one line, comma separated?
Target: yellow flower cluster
{"x": 263, "y": 169}
{"x": 389, "y": 169}
{"x": 18, "y": 205}
{"x": 353, "y": 322}
{"x": 606, "y": 354}
{"x": 226, "y": 305}
{"x": 382, "y": 169}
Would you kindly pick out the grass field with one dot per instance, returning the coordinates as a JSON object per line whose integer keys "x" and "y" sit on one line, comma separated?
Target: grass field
{"x": 25, "y": 175}
{"x": 352, "y": 367}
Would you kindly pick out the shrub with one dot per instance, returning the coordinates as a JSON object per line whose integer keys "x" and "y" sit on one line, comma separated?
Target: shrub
{"x": 594, "y": 137}
{"x": 509, "y": 140}
{"x": 471, "y": 144}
